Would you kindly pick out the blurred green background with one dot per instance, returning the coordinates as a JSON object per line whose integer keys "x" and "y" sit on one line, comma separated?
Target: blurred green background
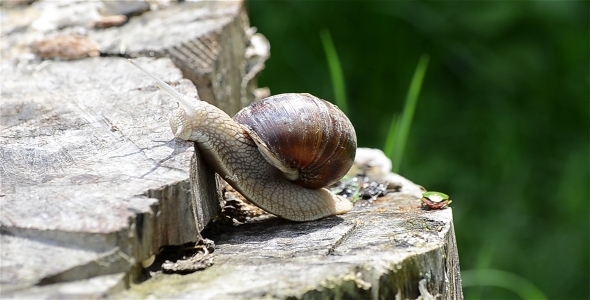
{"x": 502, "y": 122}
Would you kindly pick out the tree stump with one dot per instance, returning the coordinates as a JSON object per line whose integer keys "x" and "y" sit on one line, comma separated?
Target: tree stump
{"x": 391, "y": 249}
{"x": 92, "y": 181}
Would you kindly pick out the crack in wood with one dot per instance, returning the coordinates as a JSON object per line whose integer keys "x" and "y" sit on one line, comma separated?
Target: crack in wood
{"x": 343, "y": 238}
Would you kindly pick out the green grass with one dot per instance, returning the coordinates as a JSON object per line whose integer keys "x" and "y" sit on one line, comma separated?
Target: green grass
{"x": 335, "y": 71}
{"x": 399, "y": 130}
{"x": 502, "y": 279}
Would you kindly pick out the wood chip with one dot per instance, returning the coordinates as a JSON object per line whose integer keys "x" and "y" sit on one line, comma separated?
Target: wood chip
{"x": 66, "y": 47}
{"x": 109, "y": 21}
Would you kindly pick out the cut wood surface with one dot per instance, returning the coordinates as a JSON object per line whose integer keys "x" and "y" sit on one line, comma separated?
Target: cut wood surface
{"x": 210, "y": 41}
{"x": 207, "y": 40}
{"x": 92, "y": 180}
{"x": 84, "y": 163}
{"x": 382, "y": 251}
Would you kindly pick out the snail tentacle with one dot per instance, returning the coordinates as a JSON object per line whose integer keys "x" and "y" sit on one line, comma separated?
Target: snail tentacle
{"x": 184, "y": 103}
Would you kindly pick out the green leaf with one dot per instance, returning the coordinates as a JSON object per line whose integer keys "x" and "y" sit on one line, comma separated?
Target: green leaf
{"x": 335, "y": 71}
{"x": 399, "y": 133}
{"x": 391, "y": 135}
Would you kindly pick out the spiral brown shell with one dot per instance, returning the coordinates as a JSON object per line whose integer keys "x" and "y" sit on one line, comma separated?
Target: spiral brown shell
{"x": 304, "y": 133}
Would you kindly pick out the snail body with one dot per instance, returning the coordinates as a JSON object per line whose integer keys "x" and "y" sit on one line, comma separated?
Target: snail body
{"x": 232, "y": 149}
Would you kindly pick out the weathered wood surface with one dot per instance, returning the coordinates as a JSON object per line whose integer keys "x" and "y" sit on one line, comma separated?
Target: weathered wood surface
{"x": 91, "y": 179}
{"x": 207, "y": 40}
{"x": 210, "y": 41}
{"x": 375, "y": 252}
{"x": 83, "y": 147}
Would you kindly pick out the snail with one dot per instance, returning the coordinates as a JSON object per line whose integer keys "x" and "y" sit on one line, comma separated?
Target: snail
{"x": 317, "y": 142}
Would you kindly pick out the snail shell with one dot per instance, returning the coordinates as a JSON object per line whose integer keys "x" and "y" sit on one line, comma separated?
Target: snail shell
{"x": 309, "y": 139}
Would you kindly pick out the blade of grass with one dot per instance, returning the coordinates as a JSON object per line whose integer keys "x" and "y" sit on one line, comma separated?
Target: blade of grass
{"x": 391, "y": 136}
{"x": 498, "y": 278}
{"x": 401, "y": 128}
{"x": 483, "y": 262}
{"x": 335, "y": 70}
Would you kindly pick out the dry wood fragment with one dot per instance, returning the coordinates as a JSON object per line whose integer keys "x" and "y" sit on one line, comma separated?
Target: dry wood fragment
{"x": 65, "y": 47}
{"x": 109, "y": 21}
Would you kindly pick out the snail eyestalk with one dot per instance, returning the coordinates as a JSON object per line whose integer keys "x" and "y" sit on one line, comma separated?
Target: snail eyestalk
{"x": 165, "y": 87}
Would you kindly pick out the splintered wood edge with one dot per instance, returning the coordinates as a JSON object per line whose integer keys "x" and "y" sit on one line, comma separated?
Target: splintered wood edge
{"x": 211, "y": 52}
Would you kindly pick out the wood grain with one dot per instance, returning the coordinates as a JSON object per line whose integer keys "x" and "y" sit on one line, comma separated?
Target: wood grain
{"x": 381, "y": 251}
{"x": 83, "y": 146}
